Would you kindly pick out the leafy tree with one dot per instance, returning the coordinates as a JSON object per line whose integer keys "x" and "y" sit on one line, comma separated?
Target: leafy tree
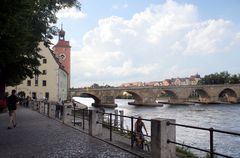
{"x": 220, "y": 78}
{"x": 25, "y": 23}
{"x": 95, "y": 85}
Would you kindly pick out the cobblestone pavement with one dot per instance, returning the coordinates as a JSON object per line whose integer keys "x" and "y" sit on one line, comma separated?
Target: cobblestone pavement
{"x": 38, "y": 136}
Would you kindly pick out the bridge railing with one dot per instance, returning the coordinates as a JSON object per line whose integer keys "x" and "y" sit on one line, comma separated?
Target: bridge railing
{"x": 211, "y": 131}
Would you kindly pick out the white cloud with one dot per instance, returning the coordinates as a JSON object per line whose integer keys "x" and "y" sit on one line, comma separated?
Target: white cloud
{"x": 73, "y": 13}
{"x": 207, "y": 37}
{"x": 175, "y": 71}
{"x": 150, "y": 45}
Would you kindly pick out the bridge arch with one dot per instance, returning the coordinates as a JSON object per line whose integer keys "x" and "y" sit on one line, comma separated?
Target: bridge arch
{"x": 166, "y": 96}
{"x": 137, "y": 97}
{"x": 95, "y": 98}
{"x": 228, "y": 95}
{"x": 203, "y": 95}
{"x": 199, "y": 94}
{"x": 168, "y": 93}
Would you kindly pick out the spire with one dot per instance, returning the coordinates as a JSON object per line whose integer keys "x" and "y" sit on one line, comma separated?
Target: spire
{"x": 62, "y": 33}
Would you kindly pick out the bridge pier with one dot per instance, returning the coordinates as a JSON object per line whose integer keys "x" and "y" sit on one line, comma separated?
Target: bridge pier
{"x": 177, "y": 100}
{"x": 105, "y": 105}
{"x": 145, "y": 104}
{"x": 106, "y": 101}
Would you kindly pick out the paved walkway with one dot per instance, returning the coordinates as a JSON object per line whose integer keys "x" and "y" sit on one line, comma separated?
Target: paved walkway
{"x": 39, "y": 136}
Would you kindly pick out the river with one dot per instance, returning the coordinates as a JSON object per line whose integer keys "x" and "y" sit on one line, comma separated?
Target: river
{"x": 221, "y": 116}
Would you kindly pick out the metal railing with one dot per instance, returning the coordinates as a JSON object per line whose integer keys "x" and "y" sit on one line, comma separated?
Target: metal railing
{"x": 55, "y": 110}
{"x": 111, "y": 126}
{"x": 211, "y": 141}
{"x": 84, "y": 116}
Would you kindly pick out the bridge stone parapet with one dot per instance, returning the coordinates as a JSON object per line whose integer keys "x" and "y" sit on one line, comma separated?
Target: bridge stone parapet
{"x": 177, "y": 94}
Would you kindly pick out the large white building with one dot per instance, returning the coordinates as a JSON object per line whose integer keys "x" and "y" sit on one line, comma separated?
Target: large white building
{"x": 51, "y": 84}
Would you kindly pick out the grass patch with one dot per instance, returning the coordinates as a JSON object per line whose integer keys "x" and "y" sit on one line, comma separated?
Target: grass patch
{"x": 183, "y": 152}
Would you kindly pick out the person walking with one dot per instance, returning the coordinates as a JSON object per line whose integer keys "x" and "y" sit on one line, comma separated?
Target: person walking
{"x": 12, "y": 101}
{"x": 138, "y": 132}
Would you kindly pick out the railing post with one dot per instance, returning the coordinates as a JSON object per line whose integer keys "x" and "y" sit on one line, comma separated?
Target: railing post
{"x": 63, "y": 112}
{"x": 211, "y": 143}
{"x": 44, "y": 107}
{"x": 74, "y": 115}
{"x": 132, "y": 139}
{"x": 95, "y": 128}
{"x": 48, "y": 107}
{"x": 116, "y": 118}
{"x": 110, "y": 125}
{"x": 83, "y": 121}
{"x": 67, "y": 105}
{"x": 121, "y": 120}
{"x": 161, "y": 132}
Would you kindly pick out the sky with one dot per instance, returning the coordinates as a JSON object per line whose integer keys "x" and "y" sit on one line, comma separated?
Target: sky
{"x": 120, "y": 41}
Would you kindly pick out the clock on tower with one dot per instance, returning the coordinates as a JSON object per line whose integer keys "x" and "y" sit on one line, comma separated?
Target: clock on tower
{"x": 62, "y": 57}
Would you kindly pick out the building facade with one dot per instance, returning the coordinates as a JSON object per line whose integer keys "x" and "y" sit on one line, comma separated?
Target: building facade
{"x": 51, "y": 84}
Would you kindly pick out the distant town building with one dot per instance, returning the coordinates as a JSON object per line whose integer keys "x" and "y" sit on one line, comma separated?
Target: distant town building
{"x": 132, "y": 84}
{"x": 181, "y": 81}
{"x": 166, "y": 82}
{"x": 153, "y": 83}
{"x": 192, "y": 80}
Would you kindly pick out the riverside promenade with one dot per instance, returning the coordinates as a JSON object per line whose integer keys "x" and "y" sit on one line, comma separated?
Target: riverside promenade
{"x": 38, "y": 136}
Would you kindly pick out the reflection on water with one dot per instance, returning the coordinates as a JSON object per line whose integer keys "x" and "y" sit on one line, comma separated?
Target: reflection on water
{"x": 223, "y": 117}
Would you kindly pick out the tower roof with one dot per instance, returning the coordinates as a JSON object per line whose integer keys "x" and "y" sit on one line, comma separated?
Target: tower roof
{"x": 61, "y": 39}
{"x": 61, "y": 34}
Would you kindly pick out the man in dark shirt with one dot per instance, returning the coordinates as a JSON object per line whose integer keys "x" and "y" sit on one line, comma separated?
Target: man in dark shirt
{"x": 12, "y": 106}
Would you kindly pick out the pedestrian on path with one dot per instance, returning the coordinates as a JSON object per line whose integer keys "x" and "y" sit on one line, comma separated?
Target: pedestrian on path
{"x": 12, "y": 101}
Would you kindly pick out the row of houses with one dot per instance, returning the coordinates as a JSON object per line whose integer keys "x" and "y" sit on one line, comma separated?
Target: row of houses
{"x": 192, "y": 80}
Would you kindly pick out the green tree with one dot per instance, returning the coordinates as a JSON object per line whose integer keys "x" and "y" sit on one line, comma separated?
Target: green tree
{"x": 220, "y": 78}
{"x": 25, "y": 23}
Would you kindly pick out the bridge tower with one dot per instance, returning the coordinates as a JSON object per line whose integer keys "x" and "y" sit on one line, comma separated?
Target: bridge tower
{"x": 62, "y": 50}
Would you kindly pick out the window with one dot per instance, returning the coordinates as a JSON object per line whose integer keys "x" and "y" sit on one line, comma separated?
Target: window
{"x": 47, "y": 95}
{"x": 36, "y": 80}
{"x": 44, "y": 72}
{"x": 28, "y": 82}
{"x": 34, "y": 95}
{"x": 44, "y": 61}
{"x": 44, "y": 83}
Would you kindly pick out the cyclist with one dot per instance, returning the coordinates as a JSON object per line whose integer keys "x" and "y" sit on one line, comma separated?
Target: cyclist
{"x": 138, "y": 132}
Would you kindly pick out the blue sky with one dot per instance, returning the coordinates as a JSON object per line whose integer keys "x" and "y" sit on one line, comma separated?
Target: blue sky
{"x": 119, "y": 41}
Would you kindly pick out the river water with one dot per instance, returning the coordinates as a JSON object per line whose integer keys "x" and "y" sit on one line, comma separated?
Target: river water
{"x": 222, "y": 116}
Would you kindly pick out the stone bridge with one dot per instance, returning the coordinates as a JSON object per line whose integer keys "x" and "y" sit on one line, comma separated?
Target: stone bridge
{"x": 225, "y": 93}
